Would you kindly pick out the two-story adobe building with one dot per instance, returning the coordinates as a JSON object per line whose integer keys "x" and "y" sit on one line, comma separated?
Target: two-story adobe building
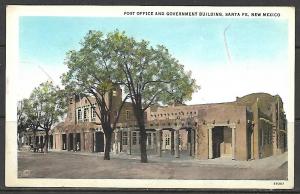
{"x": 252, "y": 127}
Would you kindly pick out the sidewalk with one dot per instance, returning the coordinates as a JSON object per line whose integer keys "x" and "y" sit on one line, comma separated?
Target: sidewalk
{"x": 272, "y": 162}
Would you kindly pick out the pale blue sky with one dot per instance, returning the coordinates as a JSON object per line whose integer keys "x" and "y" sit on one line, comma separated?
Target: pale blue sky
{"x": 47, "y": 39}
{"x": 258, "y": 49}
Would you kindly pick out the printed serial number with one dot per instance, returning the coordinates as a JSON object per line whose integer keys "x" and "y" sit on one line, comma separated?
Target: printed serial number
{"x": 278, "y": 183}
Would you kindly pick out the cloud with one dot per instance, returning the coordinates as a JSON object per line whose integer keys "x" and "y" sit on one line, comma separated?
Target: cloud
{"x": 223, "y": 83}
{"x": 32, "y": 74}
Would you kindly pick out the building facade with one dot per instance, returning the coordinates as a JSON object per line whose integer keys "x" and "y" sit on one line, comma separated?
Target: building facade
{"x": 252, "y": 127}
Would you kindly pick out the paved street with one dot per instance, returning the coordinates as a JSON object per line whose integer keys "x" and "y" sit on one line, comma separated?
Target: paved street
{"x": 91, "y": 165}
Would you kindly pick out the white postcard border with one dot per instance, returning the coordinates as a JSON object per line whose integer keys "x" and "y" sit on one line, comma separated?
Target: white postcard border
{"x": 11, "y": 173}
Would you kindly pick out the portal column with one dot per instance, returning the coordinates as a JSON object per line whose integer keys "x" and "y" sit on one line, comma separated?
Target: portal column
{"x": 94, "y": 141}
{"x": 158, "y": 141}
{"x": 152, "y": 140}
{"x": 192, "y": 144}
{"x": 176, "y": 143}
{"x": 54, "y": 141}
{"x": 129, "y": 142}
{"x": 233, "y": 143}
{"x": 172, "y": 142}
{"x": 210, "y": 143}
{"x": 74, "y": 142}
{"x": 115, "y": 144}
{"x": 68, "y": 144}
{"x": 82, "y": 141}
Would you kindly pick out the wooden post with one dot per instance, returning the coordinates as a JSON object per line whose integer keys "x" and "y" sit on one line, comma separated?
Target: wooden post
{"x": 210, "y": 143}
{"x": 192, "y": 146}
{"x": 172, "y": 142}
{"x": 176, "y": 141}
{"x": 233, "y": 143}
{"x": 158, "y": 141}
{"x": 129, "y": 142}
{"x": 82, "y": 141}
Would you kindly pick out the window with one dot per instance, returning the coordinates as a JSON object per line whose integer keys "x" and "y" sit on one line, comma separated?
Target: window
{"x": 114, "y": 93}
{"x": 127, "y": 114}
{"x": 79, "y": 115}
{"x": 71, "y": 100}
{"x": 85, "y": 114}
{"x": 167, "y": 141}
{"x": 124, "y": 138}
{"x": 93, "y": 109}
{"x": 134, "y": 138}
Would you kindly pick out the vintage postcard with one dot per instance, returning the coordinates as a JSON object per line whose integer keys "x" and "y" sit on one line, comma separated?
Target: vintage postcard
{"x": 150, "y": 97}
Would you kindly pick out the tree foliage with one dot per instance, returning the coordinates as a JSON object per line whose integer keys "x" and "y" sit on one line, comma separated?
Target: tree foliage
{"x": 151, "y": 75}
{"x": 45, "y": 106}
{"x": 92, "y": 72}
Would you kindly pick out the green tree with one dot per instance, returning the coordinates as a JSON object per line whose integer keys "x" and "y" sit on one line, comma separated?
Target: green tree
{"x": 92, "y": 72}
{"x": 21, "y": 119}
{"x": 29, "y": 116}
{"x": 150, "y": 76}
{"x": 46, "y": 106}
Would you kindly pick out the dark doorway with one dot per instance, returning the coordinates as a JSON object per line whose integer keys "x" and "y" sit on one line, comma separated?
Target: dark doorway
{"x": 64, "y": 141}
{"x": 41, "y": 140}
{"x": 71, "y": 147}
{"x": 29, "y": 140}
{"x": 51, "y": 141}
{"x": 77, "y": 142}
{"x": 99, "y": 142}
{"x": 217, "y": 139}
{"x": 250, "y": 142}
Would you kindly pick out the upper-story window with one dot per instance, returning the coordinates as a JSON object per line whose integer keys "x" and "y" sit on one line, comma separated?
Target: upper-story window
{"x": 93, "y": 113}
{"x": 127, "y": 114}
{"x": 85, "y": 114}
{"x": 114, "y": 93}
{"x": 79, "y": 115}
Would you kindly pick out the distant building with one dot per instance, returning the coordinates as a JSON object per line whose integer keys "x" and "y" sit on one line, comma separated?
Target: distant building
{"x": 252, "y": 127}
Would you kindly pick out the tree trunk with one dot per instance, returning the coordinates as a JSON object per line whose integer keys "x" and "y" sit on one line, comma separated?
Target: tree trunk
{"x": 143, "y": 135}
{"x": 108, "y": 136}
{"x": 143, "y": 144}
{"x": 46, "y": 141}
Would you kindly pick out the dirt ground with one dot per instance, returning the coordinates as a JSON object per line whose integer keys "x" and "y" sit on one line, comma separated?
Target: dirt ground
{"x": 80, "y": 166}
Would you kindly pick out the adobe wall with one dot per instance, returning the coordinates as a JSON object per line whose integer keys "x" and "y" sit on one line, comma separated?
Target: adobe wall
{"x": 222, "y": 115}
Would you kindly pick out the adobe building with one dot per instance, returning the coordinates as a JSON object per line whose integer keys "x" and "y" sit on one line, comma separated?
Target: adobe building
{"x": 252, "y": 127}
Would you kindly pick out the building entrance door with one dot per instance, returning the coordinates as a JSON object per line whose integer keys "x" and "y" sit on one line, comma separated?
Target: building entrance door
{"x": 166, "y": 140}
{"x": 99, "y": 142}
{"x": 217, "y": 139}
{"x": 226, "y": 145}
{"x": 64, "y": 141}
{"x": 71, "y": 145}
